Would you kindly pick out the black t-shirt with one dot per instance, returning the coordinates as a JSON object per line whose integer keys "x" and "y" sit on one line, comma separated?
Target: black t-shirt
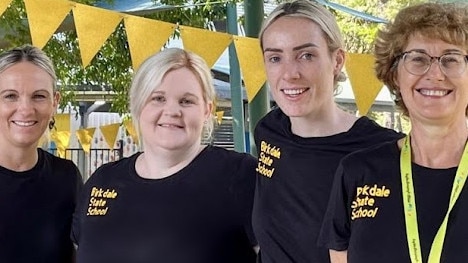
{"x": 36, "y": 208}
{"x": 201, "y": 214}
{"x": 366, "y": 217}
{"x": 295, "y": 175}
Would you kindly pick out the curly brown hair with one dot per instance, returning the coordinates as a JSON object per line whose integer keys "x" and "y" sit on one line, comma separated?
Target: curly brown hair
{"x": 445, "y": 21}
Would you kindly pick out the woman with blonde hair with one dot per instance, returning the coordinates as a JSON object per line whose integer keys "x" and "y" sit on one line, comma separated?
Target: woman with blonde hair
{"x": 301, "y": 142}
{"x": 178, "y": 200}
{"x": 38, "y": 190}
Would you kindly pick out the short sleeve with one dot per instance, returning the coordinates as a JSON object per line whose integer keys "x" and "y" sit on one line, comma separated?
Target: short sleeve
{"x": 335, "y": 231}
{"x": 244, "y": 190}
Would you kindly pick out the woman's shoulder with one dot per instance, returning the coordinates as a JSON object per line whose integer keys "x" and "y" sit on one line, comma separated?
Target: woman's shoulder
{"x": 273, "y": 119}
{"x": 115, "y": 168}
{"x": 60, "y": 169}
{"x": 371, "y": 130}
{"x": 227, "y": 154}
{"x": 365, "y": 123}
{"x": 378, "y": 152}
{"x": 57, "y": 164}
{"x": 55, "y": 161}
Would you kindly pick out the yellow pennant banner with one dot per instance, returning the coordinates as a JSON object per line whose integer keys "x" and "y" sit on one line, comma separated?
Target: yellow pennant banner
{"x": 110, "y": 133}
{"x": 62, "y": 122}
{"x": 61, "y": 139}
{"x": 251, "y": 63}
{"x": 146, "y": 37}
{"x": 366, "y": 86}
{"x": 219, "y": 116}
{"x": 128, "y": 124}
{"x": 42, "y": 25}
{"x": 208, "y": 44}
{"x": 85, "y": 137}
{"x": 4, "y": 5}
{"x": 93, "y": 27}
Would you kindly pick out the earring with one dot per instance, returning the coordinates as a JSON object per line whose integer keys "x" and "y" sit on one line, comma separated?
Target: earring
{"x": 52, "y": 123}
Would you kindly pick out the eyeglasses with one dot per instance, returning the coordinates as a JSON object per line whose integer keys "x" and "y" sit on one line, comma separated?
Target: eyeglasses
{"x": 418, "y": 63}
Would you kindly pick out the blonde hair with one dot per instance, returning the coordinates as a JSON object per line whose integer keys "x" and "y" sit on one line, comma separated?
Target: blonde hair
{"x": 34, "y": 55}
{"x": 30, "y": 54}
{"x": 316, "y": 13}
{"x": 151, "y": 73}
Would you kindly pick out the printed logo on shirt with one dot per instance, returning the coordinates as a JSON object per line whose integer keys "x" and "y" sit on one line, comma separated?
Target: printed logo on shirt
{"x": 268, "y": 154}
{"x": 99, "y": 200}
{"x": 366, "y": 201}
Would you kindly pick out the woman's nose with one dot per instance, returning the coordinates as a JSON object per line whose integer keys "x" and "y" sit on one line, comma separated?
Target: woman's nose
{"x": 435, "y": 70}
{"x": 172, "y": 108}
{"x": 291, "y": 70}
{"x": 25, "y": 105}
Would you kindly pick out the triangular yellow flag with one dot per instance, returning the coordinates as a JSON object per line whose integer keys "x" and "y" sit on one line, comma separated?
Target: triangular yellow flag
{"x": 207, "y": 44}
{"x": 366, "y": 86}
{"x": 145, "y": 37}
{"x": 110, "y": 133}
{"x": 93, "y": 27}
{"x": 4, "y": 5}
{"x": 219, "y": 116}
{"x": 62, "y": 122}
{"x": 250, "y": 58}
{"x": 85, "y": 136}
{"x": 128, "y": 124}
{"x": 44, "y": 17}
{"x": 61, "y": 139}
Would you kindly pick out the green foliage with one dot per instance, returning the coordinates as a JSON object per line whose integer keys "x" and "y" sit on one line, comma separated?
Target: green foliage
{"x": 197, "y": 14}
{"x": 358, "y": 33}
{"x": 110, "y": 70}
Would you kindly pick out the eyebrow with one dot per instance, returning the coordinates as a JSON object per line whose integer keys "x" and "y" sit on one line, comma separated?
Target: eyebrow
{"x": 189, "y": 94}
{"x": 306, "y": 45}
{"x": 34, "y": 91}
{"x": 445, "y": 51}
{"x": 164, "y": 93}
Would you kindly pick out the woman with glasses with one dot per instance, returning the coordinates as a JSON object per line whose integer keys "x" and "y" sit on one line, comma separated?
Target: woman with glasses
{"x": 407, "y": 201}
{"x": 301, "y": 142}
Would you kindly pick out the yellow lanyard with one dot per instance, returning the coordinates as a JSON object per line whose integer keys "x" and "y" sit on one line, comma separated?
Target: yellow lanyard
{"x": 409, "y": 204}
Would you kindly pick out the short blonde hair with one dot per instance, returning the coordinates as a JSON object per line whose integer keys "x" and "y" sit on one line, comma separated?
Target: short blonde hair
{"x": 314, "y": 12}
{"x": 32, "y": 54}
{"x": 151, "y": 73}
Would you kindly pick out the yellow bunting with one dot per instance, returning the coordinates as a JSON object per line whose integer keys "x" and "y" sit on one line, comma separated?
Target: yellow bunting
{"x": 251, "y": 64}
{"x": 128, "y": 124}
{"x": 62, "y": 122}
{"x": 146, "y": 37}
{"x": 110, "y": 133}
{"x": 366, "y": 87}
{"x": 42, "y": 24}
{"x": 85, "y": 136}
{"x": 61, "y": 139}
{"x": 219, "y": 116}
{"x": 93, "y": 27}
{"x": 4, "y": 5}
{"x": 208, "y": 44}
